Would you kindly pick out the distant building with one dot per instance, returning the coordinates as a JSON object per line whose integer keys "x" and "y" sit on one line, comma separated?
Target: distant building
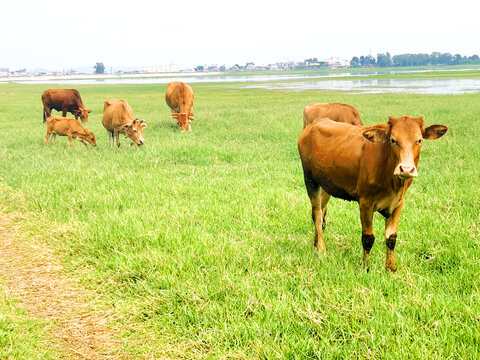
{"x": 336, "y": 62}
{"x": 160, "y": 69}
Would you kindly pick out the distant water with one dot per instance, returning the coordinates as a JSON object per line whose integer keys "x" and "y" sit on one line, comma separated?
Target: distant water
{"x": 274, "y": 82}
{"x": 163, "y": 79}
{"x": 378, "y": 86}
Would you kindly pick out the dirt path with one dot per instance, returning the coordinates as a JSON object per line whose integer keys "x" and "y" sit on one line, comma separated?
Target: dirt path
{"x": 36, "y": 278}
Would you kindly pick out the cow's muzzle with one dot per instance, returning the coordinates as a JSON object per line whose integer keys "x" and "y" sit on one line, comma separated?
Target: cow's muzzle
{"x": 406, "y": 171}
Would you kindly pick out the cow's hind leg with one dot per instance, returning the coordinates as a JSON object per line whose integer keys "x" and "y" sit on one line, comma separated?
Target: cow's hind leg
{"x": 52, "y": 139}
{"x": 47, "y": 137}
{"x": 368, "y": 238}
{"x": 319, "y": 199}
{"x": 46, "y": 113}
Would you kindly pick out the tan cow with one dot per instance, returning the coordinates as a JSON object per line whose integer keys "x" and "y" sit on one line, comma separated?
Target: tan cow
{"x": 179, "y": 97}
{"x": 373, "y": 165}
{"x": 58, "y": 125}
{"x": 335, "y": 111}
{"x": 118, "y": 119}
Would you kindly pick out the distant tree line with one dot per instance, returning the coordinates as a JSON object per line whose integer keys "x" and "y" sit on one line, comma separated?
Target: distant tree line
{"x": 435, "y": 58}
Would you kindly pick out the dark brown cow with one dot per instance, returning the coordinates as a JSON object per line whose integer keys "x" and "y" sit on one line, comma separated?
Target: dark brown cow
{"x": 179, "y": 97}
{"x": 373, "y": 165}
{"x": 57, "y": 125}
{"x": 118, "y": 119}
{"x": 335, "y": 111}
{"x": 64, "y": 100}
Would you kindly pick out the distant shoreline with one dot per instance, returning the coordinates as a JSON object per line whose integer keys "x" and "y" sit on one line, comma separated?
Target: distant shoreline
{"x": 7, "y": 79}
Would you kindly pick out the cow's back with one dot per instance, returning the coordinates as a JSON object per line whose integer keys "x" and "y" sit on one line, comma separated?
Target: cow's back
{"x": 62, "y": 96}
{"x": 116, "y": 113}
{"x": 335, "y": 154}
{"x": 179, "y": 96}
{"x": 343, "y": 113}
{"x": 61, "y": 125}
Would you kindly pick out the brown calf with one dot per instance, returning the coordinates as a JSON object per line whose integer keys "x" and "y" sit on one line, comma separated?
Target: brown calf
{"x": 57, "y": 125}
{"x": 335, "y": 111}
{"x": 373, "y": 165}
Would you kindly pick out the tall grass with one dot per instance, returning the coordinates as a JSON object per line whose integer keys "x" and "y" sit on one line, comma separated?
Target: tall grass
{"x": 203, "y": 241}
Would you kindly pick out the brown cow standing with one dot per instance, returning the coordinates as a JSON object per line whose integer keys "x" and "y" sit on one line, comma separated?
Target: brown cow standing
{"x": 118, "y": 119}
{"x": 335, "y": 111}
{"x": 57, "y": 125}
{"x": 64, "y": 100}
{"x": 179, "y": 97}
{"x": 373, "y": 165}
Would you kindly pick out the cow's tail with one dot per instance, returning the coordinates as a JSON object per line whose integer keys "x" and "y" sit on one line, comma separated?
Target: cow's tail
{"x": 44, "y": 116}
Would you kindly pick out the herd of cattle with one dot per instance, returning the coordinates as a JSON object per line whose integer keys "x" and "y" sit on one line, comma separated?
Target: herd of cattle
{"x": 372, "y": 165}
{"x": 117, "y": 117}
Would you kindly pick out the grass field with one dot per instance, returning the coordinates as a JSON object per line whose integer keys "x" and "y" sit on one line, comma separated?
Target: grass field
{"x": 202, "y": 242}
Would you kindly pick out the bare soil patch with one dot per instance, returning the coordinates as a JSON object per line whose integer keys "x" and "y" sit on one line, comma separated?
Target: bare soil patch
{"x": 36, "y": 278}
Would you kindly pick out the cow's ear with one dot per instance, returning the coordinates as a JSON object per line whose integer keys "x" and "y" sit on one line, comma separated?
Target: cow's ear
{"x": 376, "y": 135}
{"x": 174, "y": 115}
{"x": 434, "y": 132}
{"x": 144, "y": 125}
{"x": 126, "y": 126}
{"x": 89, "y": 110}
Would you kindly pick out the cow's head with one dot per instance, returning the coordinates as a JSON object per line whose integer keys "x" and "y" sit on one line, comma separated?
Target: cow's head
{"x": 83, "y": 113}
{"x": 184, "y": 120}
{"x": 90, "y": 137}
{"x": 404, "y": 136}
{"x": 134, "y": 131}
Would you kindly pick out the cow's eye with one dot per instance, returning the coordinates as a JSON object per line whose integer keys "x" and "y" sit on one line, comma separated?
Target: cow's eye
{"x": 135, "y": 130}
{"x": 393, "y": 141}
{"x": 419, "y": 142}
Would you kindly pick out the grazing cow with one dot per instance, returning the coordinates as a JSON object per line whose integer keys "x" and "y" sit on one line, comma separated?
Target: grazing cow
{"x": 118, "y": 119}
{"x": 179, "y": 97}
{"x": 57, "y": 125}
{"x": 335, "y": 111}
{"x": 373, "y": 165}
{"x": 64, "y": 100}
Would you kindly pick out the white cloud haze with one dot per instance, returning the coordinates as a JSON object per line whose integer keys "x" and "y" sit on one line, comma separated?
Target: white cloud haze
{"x": 64, "y": 34}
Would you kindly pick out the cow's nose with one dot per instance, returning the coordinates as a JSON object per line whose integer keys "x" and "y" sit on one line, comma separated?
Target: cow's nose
{"x": 407, "y": 171}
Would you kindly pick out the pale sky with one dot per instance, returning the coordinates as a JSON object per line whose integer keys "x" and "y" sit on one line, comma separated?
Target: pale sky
{"x": 65, "y": 34}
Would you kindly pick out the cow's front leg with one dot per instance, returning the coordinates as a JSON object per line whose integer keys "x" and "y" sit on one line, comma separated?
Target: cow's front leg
{"x": 70, "y": 137}
{"x": 368, "y": 238}
{"x": 117, "y": 138}
{"x": 391, "y": 225}
{"x": 64, "y": 111}
{"x": 111, "y": 138}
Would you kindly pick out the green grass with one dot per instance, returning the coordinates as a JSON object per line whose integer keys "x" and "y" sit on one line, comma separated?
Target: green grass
{"x": 21, "y": 337}
{"x": 203, "y": 241}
